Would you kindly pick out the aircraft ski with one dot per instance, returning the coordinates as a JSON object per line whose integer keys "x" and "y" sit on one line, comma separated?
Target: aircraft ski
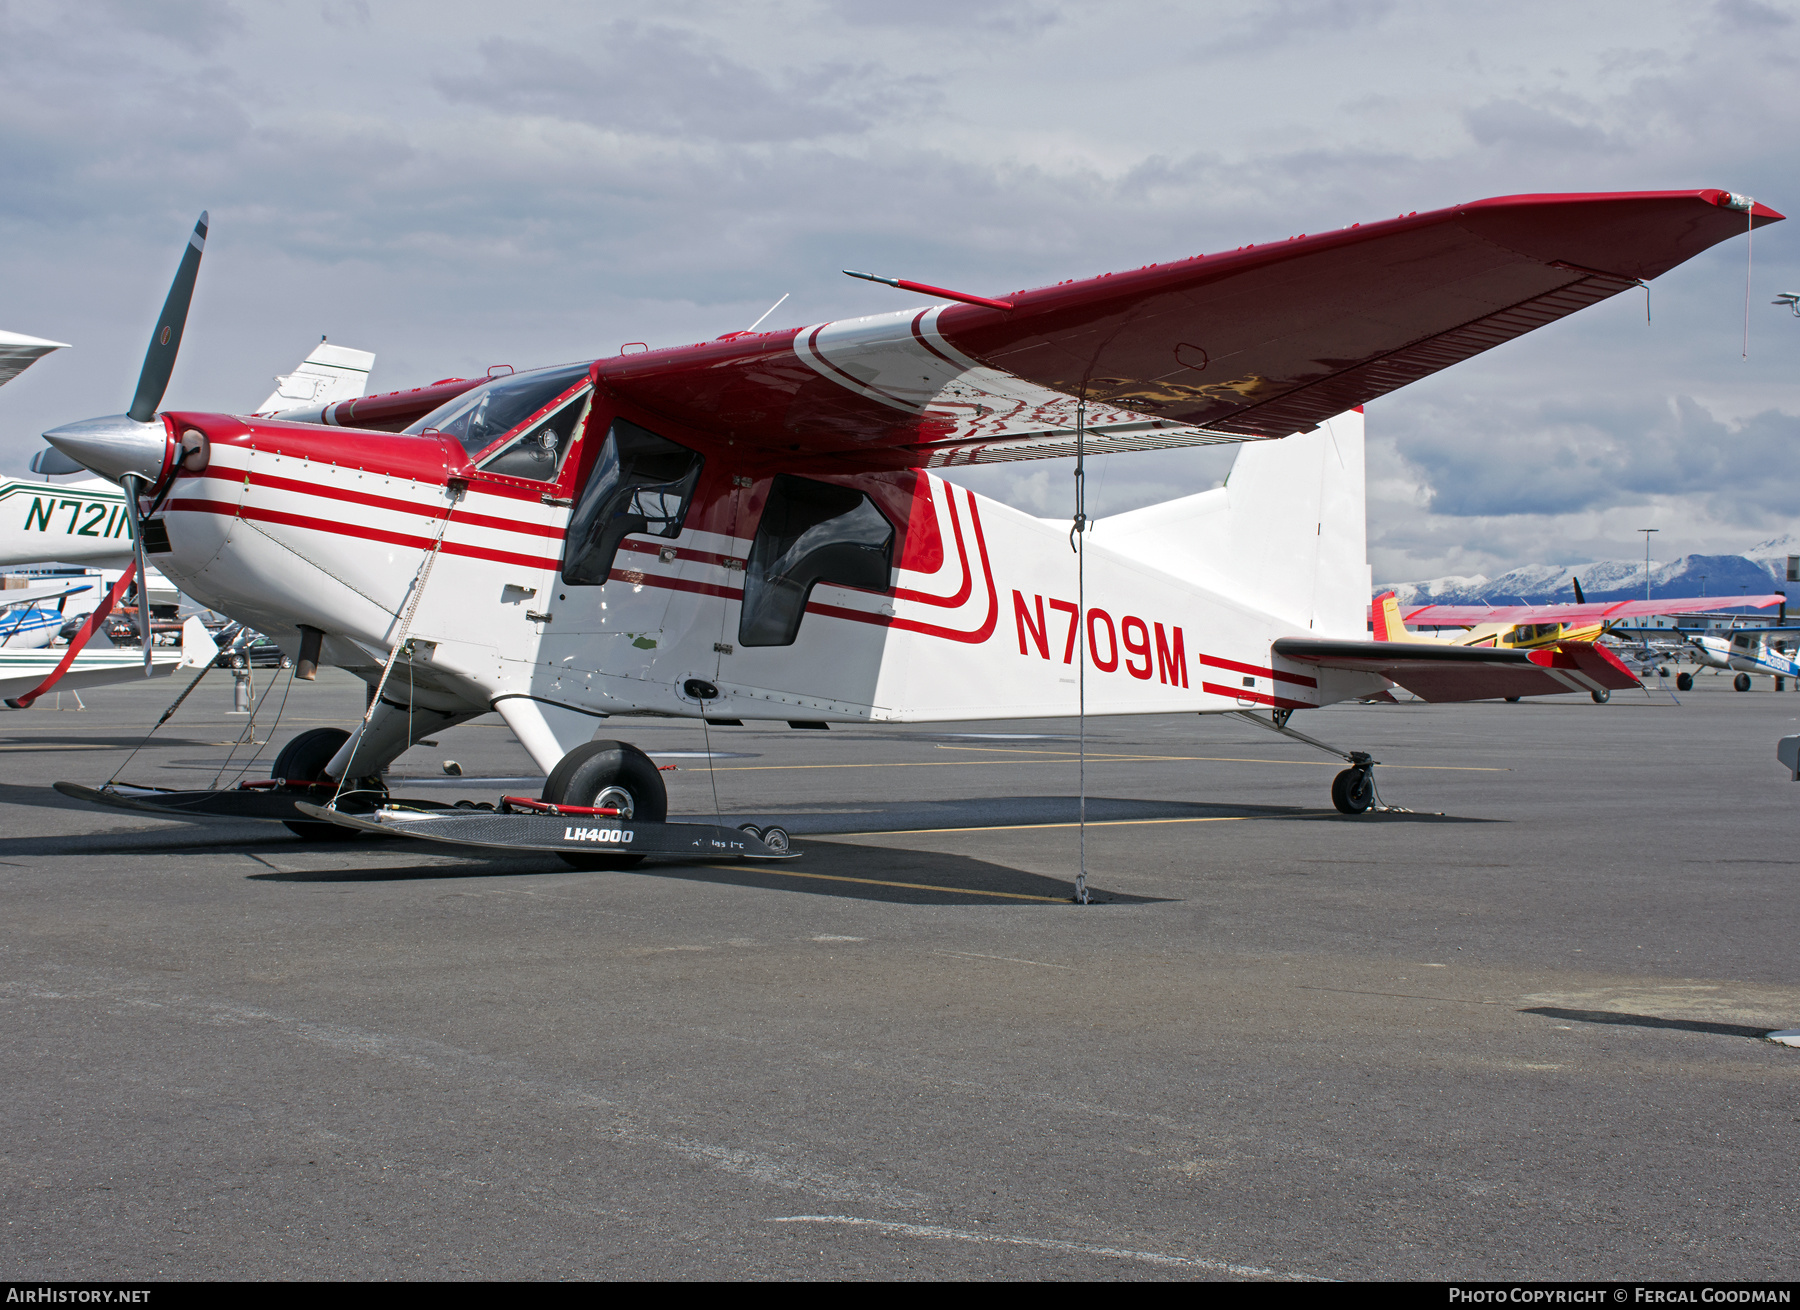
{"x": 578, "y": 833}
{"x": 258, "y": 800}
{"x": 572, "y": 835}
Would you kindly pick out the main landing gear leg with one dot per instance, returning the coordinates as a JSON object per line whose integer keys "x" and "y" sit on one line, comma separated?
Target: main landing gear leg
{"x": 1353, "y": 790}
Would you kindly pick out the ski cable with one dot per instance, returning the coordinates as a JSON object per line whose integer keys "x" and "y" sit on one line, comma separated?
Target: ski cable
{"x": 167, "y": 715}
{"x": 455, "y": 489}
{"x": 1078, "y": 540}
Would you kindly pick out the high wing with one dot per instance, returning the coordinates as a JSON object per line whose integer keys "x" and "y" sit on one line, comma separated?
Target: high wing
{"x": 15, "y": 596}
{"x": 1461, "y": 673}
{"x": 1261, "y": 341}
{"x": 1468, "y": 616}
{"x": 19, "y": 352}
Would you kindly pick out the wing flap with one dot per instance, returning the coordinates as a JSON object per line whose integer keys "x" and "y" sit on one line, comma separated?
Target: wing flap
{"x": 1465, "y": 673}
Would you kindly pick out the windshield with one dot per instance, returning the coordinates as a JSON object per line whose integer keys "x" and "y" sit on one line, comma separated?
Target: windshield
{"x": 537, "y": 454}
{"x": 480, "y": 417}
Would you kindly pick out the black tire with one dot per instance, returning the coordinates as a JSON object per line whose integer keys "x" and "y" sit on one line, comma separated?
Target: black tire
{"x": 1684, "y": 682}
{"x": 303, "y": 760}
{"x": 1353, "y": 791}
{"x": 776, "y": 839}
{"x": 596, "y": 766}
{"x": 1512, "y": 700}
{"x": 1600, "y": 697}
{"x": 1741, "y": 682}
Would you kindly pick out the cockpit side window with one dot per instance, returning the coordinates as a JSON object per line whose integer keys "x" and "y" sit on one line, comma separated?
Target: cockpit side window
{"x": 641, "y": 483}
{"x": 480, "y": 417}
{"x": 538, "y": 453}
{"x": 811, "y": 532}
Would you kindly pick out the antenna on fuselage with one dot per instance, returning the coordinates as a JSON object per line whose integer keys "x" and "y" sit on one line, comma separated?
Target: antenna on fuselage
{"x": 770, "y": 310}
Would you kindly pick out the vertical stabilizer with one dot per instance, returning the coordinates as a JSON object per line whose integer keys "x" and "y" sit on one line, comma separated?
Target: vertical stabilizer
{"x": 1287, "y": 533}
{"x": 328, "y": 375}
{"x": 1388, "y": 625}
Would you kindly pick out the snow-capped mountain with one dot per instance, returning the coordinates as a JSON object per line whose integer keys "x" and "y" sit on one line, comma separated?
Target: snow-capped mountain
{"x": 1762, "y": 568}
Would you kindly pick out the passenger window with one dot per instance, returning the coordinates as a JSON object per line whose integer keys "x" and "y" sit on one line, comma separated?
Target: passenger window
{"x": 811, "y": 532}
{"x": 641, "y": 483}
{"x": 538, "y": 453}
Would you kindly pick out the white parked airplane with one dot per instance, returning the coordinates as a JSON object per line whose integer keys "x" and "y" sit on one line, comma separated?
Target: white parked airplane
{"x": 748, "y": 527}
{"x": 23, "y": 625}
{"x": 1745, "y": 651}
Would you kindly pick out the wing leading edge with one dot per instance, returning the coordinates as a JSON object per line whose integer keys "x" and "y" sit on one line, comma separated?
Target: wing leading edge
{"x": 1466, "y": 616}
{"x": 1256, "y": 342}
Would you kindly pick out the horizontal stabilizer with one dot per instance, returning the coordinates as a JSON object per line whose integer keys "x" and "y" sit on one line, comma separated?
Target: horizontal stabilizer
{"x": 1460, "y": 673}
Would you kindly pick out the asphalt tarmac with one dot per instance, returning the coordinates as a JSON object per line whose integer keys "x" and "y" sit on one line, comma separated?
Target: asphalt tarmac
{"x": 1512, "y": 1030}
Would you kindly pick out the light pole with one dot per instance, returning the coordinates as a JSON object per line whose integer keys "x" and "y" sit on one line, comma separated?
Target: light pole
{"x": 1647, "y": 532}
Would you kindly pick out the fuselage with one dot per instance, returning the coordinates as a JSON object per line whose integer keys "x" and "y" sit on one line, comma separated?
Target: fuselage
{"x": 975, "y": 612}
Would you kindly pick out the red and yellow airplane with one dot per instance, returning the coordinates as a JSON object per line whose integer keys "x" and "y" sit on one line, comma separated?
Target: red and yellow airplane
{"x": 1562, "y": 628}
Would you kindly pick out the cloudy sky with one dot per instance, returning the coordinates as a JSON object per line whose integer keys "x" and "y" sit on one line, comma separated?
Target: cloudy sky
{"x": 453, "y": 185}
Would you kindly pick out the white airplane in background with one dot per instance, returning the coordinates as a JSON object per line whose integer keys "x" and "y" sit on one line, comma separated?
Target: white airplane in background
{"x": 1745, "y": 651}
{"x": 750, "y": 528}
{"x": 23, "y": 626}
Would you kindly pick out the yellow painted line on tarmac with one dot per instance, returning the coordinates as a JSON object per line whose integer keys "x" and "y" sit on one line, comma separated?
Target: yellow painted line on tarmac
{"x": 69, "y": 746}
{"x": 1100, "y": 759}
{"x": 895, "y": 764}
{"x": 1018, "y": 827}
{"x": 1212, "y": 759}
{"x": 909, "y": 886}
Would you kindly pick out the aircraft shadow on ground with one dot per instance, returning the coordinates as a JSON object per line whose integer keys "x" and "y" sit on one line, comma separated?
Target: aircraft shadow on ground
{"x": 842, "y": 872}
{"x": 839, "y": 819}
{"x": 1649, "y": 1021}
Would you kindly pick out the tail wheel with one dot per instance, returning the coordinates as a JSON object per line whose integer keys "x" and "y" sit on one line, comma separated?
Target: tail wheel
{"x": 303, "y": 760}
{"x": 1684, "y": 682}
{"x": 612, "y": 775}
{"x": 1741, "y": 682}
{"x": 1353, "y": 791}
{"x": 1601, "y": 697}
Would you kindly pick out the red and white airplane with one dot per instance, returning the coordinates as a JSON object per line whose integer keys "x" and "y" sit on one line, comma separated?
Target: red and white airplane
{"x": 750, "y": 527}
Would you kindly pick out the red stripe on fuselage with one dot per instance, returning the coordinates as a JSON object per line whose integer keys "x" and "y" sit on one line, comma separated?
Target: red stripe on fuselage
{"x": 1245, "y": 693}
{"x": 1274, "y": 675}
{"x": 338, "y": 528}
{"x": 325, "y": 491}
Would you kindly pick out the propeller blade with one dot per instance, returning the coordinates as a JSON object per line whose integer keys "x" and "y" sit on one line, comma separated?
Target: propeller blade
{"x": 159, "y": 360}
{"x": 134, "y": 486}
